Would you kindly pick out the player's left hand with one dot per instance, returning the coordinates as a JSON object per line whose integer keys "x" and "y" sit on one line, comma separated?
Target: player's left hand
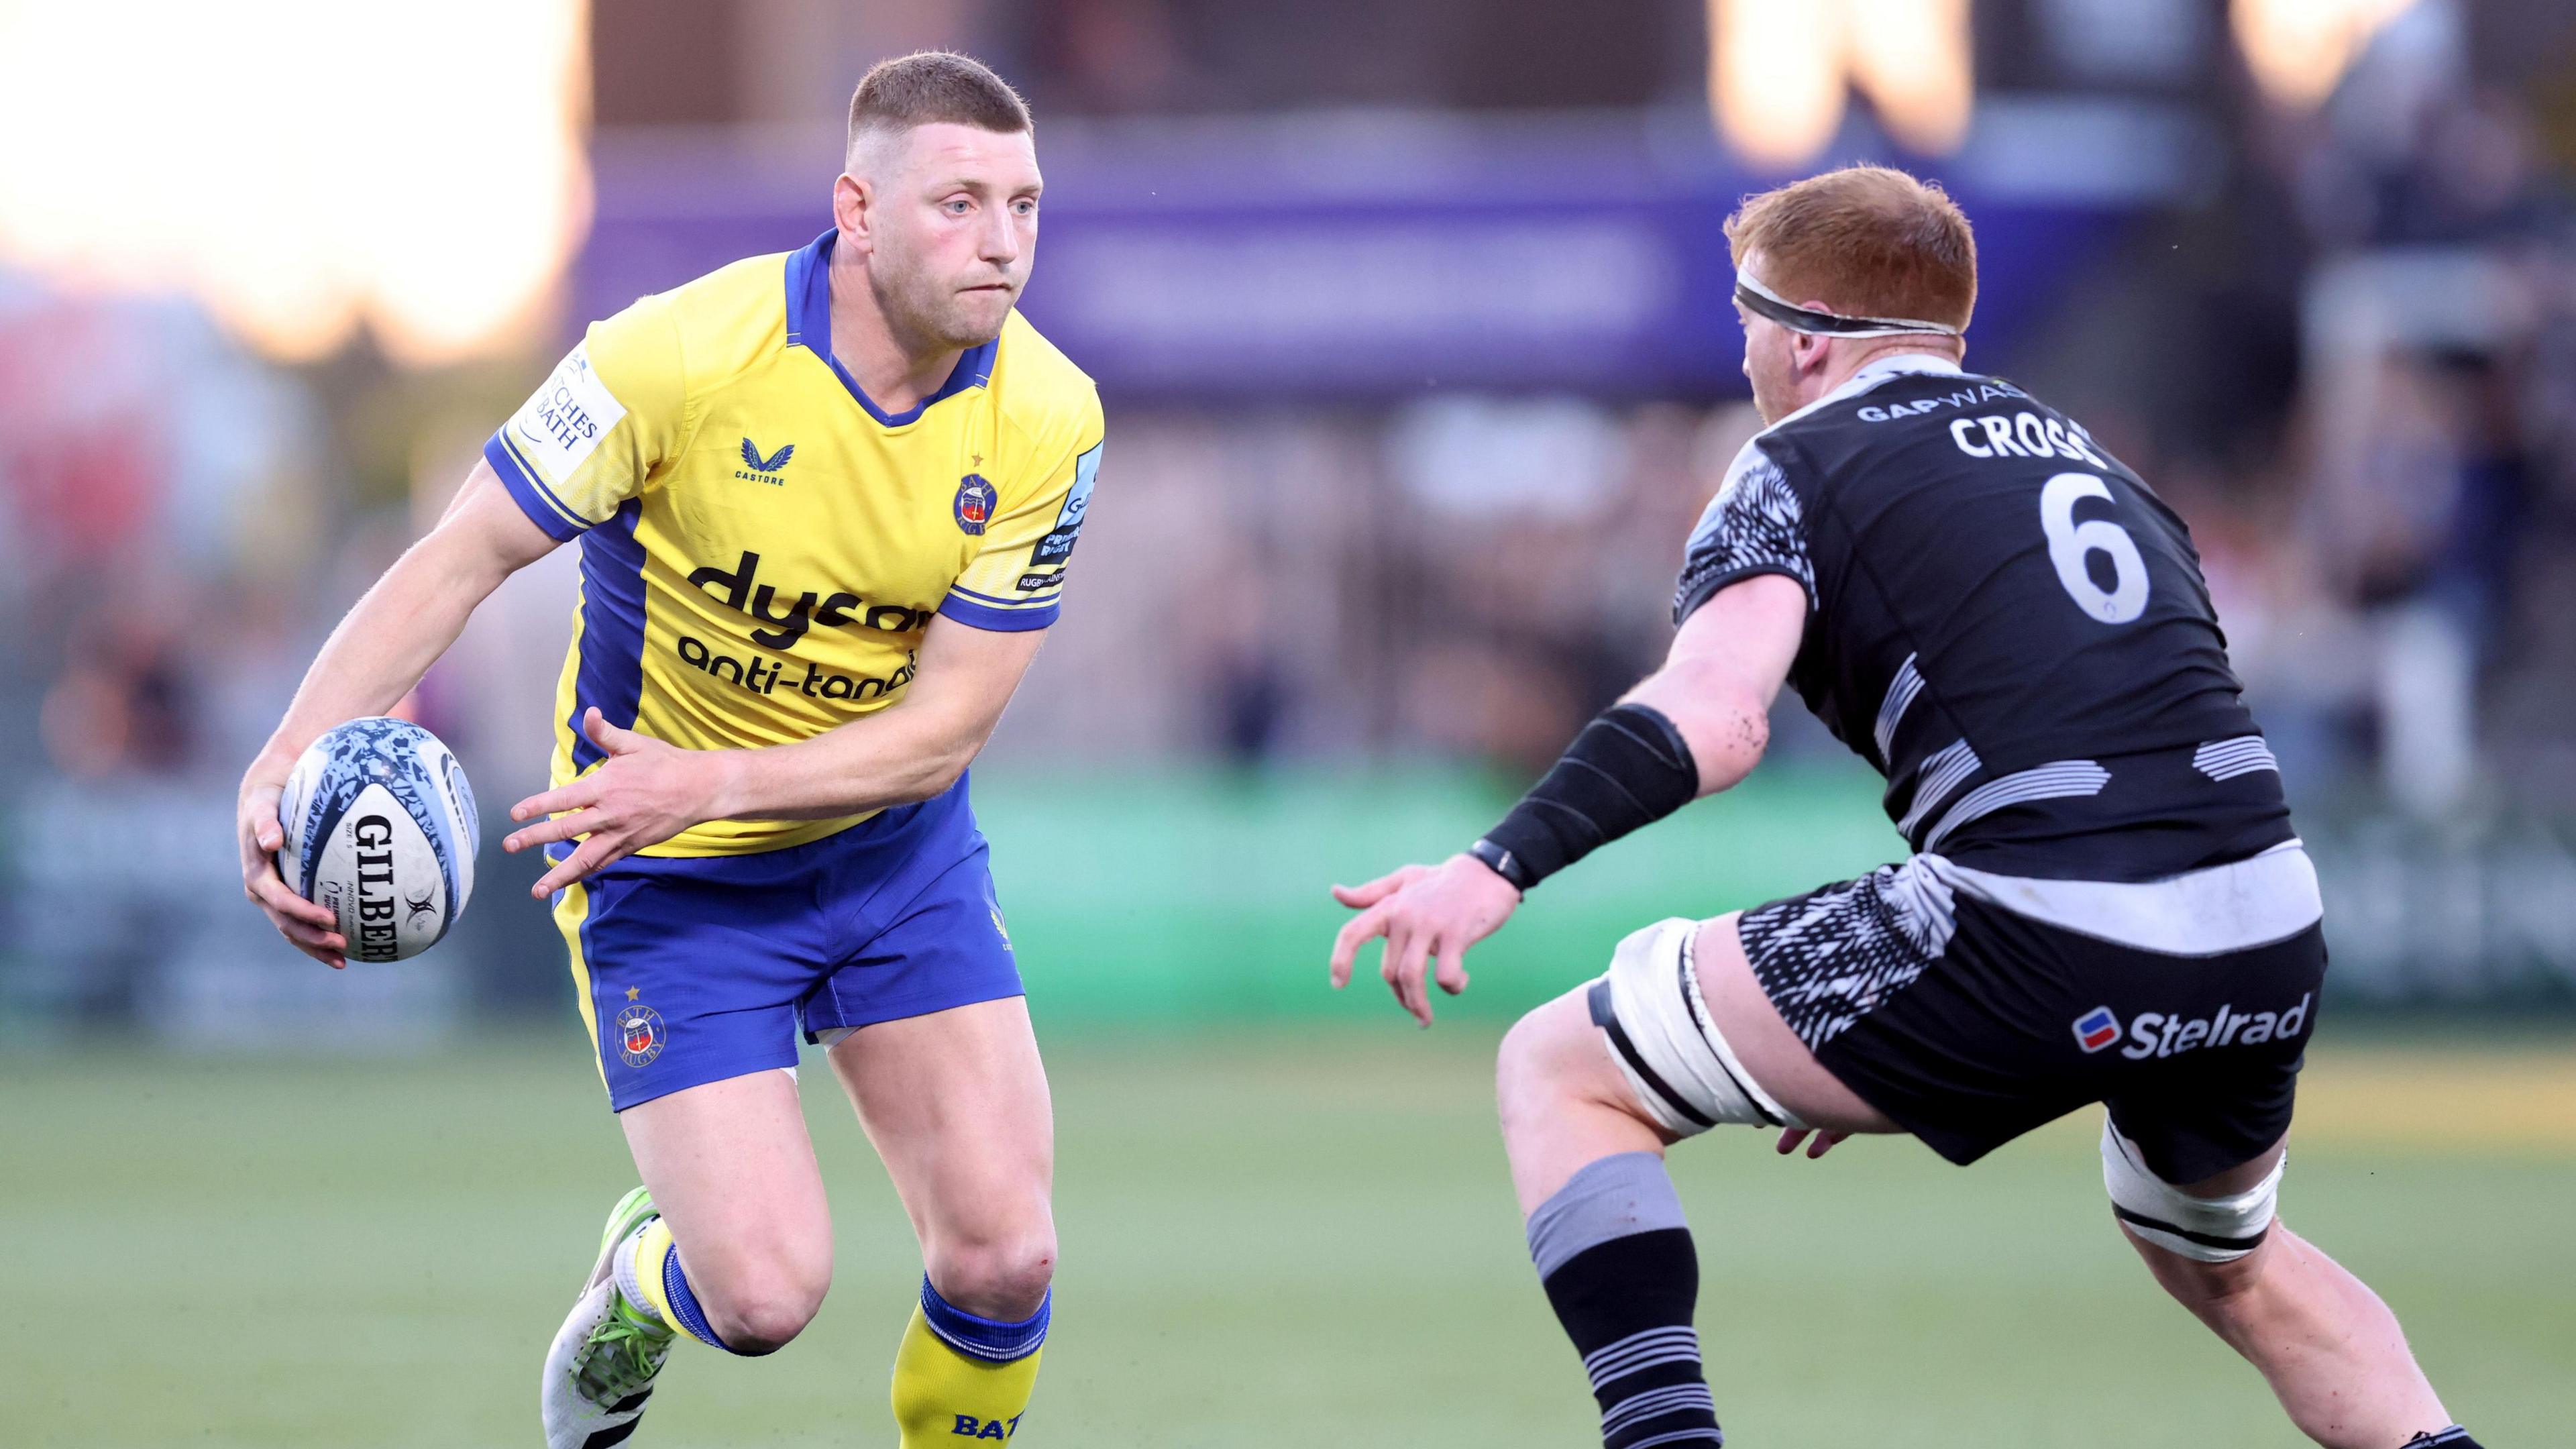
{"x": 1427, "y": 914}
{"x": 644, "y": 793}
{"x": 1824, "y": 1143}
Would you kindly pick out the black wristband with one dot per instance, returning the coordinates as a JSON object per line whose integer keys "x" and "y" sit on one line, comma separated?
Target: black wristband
{"x": 1628, "y": 769}
{"x": 1502, "y": 863}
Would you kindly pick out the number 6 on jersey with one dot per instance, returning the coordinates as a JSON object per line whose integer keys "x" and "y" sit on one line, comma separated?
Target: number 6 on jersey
{"x": 2070, "y": 544}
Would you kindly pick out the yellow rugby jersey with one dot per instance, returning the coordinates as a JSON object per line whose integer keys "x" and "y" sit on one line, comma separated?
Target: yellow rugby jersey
{"x": 761, "y": 544}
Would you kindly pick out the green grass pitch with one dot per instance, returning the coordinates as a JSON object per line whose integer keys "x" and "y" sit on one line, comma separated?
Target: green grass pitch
{"x": 1269, "y": 1240}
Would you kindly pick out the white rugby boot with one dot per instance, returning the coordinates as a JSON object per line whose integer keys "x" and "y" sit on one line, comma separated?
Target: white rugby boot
{"x": 600, "y": 1370}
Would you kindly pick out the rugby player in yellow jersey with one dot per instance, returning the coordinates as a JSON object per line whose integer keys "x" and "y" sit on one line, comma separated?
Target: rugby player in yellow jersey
{"x": 824, "y": 502}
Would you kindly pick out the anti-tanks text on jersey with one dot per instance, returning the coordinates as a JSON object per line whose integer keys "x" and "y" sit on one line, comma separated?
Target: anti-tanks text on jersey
{"x": 763, "y": 675}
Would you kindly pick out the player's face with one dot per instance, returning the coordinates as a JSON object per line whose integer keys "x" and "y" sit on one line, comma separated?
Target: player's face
{"x": 1780, "y": 363}
{"x": 1769, "y": 366}
{"x": 953, "y": 229}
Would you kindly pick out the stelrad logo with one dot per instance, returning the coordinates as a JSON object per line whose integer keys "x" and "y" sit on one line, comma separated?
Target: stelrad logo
{"x": 2096, "y": 1029}
{"x": 2154, "y": 1034}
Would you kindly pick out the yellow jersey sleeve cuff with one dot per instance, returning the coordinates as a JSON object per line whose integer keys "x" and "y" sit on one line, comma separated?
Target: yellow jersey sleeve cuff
{"x": 533, "y": 497}
{"x": 982, "y": 611}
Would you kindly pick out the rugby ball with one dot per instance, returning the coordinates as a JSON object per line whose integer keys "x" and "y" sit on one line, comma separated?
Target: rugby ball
{"x": 381, "y": 831}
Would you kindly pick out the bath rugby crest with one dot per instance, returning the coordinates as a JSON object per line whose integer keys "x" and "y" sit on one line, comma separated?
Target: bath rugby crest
{"x": 640, "y": 1034}
{"x": 974, "y": 504}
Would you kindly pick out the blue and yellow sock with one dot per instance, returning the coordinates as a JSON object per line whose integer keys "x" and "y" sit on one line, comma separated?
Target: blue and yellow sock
{"x": 962, "y": 1376}
{"x": 649, "y": 1274}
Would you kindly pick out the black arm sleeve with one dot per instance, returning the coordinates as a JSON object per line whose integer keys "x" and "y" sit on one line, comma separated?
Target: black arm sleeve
{"x": 1628, "y": 769}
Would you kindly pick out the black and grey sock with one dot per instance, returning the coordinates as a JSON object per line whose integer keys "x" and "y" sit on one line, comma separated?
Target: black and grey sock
{"x": 2453, "y": 1437}
{"x": 1617, "y": 1261}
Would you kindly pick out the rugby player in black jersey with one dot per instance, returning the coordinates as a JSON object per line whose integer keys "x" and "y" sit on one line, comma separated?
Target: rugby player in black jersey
{"x": 2105, "y": 903}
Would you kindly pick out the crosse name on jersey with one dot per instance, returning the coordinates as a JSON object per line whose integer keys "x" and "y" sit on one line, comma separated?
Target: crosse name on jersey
{"x": 2005, "y": 621}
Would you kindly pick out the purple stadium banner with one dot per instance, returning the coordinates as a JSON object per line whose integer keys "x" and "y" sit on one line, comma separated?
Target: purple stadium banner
{"x": 1354, "y": 257}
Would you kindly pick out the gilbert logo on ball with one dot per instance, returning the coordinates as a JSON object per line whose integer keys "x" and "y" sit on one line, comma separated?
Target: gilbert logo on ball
{"x": 381, "y": 831}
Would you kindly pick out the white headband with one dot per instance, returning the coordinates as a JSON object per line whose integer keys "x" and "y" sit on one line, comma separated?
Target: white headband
{"x": 1762, "y": 301}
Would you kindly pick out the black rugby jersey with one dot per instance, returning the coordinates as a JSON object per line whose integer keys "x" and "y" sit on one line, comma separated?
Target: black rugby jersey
{"x": 2003, "y": 620}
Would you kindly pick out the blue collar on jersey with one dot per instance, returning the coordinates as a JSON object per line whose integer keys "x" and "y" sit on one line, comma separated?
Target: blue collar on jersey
{"x": 809, "y": 325}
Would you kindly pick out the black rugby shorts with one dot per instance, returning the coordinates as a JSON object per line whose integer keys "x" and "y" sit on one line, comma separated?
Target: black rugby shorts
{"x": 1969, "y": 1024}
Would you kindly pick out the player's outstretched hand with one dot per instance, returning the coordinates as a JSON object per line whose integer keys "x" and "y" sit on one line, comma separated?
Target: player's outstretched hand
{"x": 1427, "y": 914}
{"x": 1823, "y": 1144}
{"x": 644, "y": 793}
{"x": 307, "y": 927}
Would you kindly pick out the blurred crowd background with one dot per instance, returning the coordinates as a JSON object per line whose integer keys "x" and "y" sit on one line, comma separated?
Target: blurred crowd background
{"x": 1411, "y": 322}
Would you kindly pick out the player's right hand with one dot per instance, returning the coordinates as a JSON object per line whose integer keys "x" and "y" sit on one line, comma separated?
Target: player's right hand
{"x": 1429, "y": 916}
{"x": 307, "y": 927}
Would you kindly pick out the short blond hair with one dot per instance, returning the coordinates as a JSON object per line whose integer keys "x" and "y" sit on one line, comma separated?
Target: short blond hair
{"x": 933, "y": 87}
{"x": 1867, "y": 241}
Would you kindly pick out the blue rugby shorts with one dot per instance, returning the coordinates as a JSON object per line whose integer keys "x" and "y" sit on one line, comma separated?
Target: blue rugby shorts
{"x": 694, "y": 969}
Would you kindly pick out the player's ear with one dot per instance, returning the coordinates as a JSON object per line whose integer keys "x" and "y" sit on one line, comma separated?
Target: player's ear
{"x": 852, "y": 201}
{"x": 1810, "y": 349}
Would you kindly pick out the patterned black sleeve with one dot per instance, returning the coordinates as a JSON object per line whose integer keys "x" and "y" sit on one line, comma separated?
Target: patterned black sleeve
{"x": 1753, "y": 526}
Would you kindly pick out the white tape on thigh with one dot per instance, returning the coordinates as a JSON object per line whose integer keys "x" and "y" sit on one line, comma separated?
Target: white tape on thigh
{"x": 2207, "y": 1229}
{"x": 1658, "y": 1030}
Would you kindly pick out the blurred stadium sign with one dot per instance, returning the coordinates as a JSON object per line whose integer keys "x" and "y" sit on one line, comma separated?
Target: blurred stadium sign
{"x": 301, "y": 166}
{"x": 1778, "y": 74}
{"x": 2299, "y": 49}
{"x": 2415, "y": 914}
{"x": 1360, "y": 255}
{"x": 130, "y": 911}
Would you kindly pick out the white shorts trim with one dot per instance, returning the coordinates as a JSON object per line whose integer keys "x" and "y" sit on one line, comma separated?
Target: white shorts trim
{"x": 2253, "y": 902}
{"x": 1656, "y": 1027}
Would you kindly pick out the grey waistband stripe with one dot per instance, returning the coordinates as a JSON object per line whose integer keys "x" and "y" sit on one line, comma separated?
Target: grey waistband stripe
{"x": 2065, "y": 779}
{"x": 1619, "y": 1196}
{"x": 2211, "y": 912}
{"x": 1942, "y": 772}
{"x": 2227, "y": 759}
{"x": 1900, "y": 697}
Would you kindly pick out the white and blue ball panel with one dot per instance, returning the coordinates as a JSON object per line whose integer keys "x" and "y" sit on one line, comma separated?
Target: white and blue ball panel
{"x": 381, "y": 828}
